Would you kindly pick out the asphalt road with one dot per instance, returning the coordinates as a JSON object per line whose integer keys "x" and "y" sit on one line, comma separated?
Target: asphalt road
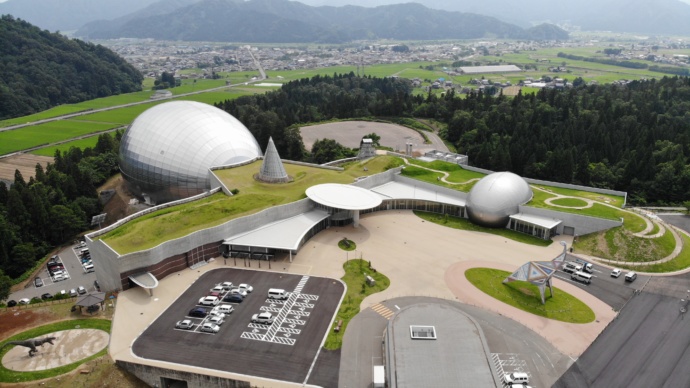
{"x": 513, "y": 346}
{"x": 285, "y": 350}
{"x": 613, "y": 291}
{"x": 647, "y": 345}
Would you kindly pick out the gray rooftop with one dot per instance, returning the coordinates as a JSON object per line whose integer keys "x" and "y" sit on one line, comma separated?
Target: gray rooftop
{"x": 489, "y": 69}
{"x": 284, "y": 234}
{"x": 458, "y": 355}
{"x": 400, "y": 190}
{"x": 544, "y": 222}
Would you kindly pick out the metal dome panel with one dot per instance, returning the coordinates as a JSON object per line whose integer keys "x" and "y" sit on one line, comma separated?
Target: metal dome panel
{"x": 167, "y": 150}
{"x": 496, "y": 197}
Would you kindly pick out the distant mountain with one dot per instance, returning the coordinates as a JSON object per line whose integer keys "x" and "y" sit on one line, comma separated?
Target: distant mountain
{"x": 40, "y": 70}
{"x": 639, "y": 16}
{"x": 277, "y": 21}
{"x": 68, "y": 15}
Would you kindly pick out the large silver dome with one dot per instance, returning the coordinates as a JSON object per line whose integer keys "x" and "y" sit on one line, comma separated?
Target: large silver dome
{"x": 167, "y": 150}
{"x": 496, "y": 197}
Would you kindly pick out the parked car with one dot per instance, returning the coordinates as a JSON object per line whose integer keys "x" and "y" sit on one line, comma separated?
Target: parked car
{"x": 198, "y": 312}
{"x": 209, "y": 301}
{"x": 58, "y": 278}
{"x": 73, "y": 292}
{"x": 223, "y": 308}
{"x": 233, "y": 298}
{"x": 218, "y": 289}
{"x": 216, "y": 320}
{"x": 226, "y": 285}
{"x": 24, "y": 301}
{"x": 209, "y": 327}
{"x": 238, "y": 291}
{"x": 185, "y": 324}
{"x": 216, "y": 294}
{"x": 47, "y": 295}
{"x": 616, "y": 273}
{"x": 11, "y": 303}
{"x": 246, "y": 287}
{"x": 97, "y": 286}
{"x": 38, "y": 282}
{"x": 81, "y": 290}
{"x": 263, "y": 318}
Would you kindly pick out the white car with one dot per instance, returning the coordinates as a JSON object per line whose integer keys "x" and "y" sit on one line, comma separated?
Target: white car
{"x": 218, "y": 320}
{"x": 186, "y": 324}
{"x": 218, "y": 288}
{"x": 216, "y": 313}
{"x": 616, "y": 273}
{"x": 73, "y": 292}
{"x": 238, "y": 291}
{"x": 24, "y": 301}
{"x": 223, "y": 308}
{"x": 58, "y": 278}
{"x": 264, "y": 318}
{"x": 226, "y": 285}
{"x": 246, "y": 287}
{"x": 209, "y": 327}
{"x": 209, "y": 301}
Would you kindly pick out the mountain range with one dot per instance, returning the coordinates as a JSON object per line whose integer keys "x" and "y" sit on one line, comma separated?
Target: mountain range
{"x": 282, "y": 21}
{"x": 666, "y": 17}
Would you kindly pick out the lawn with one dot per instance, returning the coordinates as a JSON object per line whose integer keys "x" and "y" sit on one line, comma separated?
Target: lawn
{"x": 357, "y": 289}
{"x": 465, "y": 224}
{"x": 525, "y": 296}
{"x": 570, "y": 202}
{"x": 458, "y": 176}
{"x": 178, "y": 221}
{"x": 606, "y": 198}
{"x": 10, "y": 376}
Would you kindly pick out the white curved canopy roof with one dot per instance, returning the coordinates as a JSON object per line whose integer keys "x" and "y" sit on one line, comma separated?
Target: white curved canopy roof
{"x": 344, "y": 197}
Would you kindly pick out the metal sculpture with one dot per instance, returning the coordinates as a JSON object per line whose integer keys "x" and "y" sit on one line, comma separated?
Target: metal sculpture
{"x": 32, "y": 344}
{"x": 539, "y": 273}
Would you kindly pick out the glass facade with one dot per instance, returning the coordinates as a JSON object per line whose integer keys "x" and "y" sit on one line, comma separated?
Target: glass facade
{"x": 167, "y": 151}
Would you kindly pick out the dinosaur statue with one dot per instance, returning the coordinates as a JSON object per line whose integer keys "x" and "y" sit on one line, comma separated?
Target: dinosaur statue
{"x": 32, "y": 343}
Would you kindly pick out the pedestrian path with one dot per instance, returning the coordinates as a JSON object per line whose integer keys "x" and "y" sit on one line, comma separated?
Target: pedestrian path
{"x": 382, "y": 310}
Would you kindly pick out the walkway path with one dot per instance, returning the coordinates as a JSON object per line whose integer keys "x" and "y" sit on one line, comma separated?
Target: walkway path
{"x": 444, "y": 174}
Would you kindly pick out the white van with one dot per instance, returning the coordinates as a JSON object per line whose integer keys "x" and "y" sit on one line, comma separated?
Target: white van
{"x": 571, "y": 267}
{"x": 88, "y": 268}
{"x": 224, "y": 308}
{"x": 516, "y": 378}
{"x": 277, "y": 293}
{"x": 581, "y": 276}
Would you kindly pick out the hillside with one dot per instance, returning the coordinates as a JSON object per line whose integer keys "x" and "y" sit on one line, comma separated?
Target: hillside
{"x": 638, "y": 16}
{"x": 282, "y": 21}
{"x": 40, "y": 70}
{"x": 68, "y": 15}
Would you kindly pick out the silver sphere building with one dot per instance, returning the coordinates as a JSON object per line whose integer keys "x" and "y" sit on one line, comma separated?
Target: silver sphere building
{"x": 496, "y": 197}
{"x": 167, "y": 151}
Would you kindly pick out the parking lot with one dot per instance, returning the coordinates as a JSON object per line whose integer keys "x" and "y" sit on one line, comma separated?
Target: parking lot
{"x": 73, "y": 276}
{"x": 613, "y": 291}
{"x": 285, "y": 349}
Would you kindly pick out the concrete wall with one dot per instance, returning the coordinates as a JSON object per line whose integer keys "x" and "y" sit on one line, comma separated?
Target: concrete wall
{"x": 582, "y": 224}
{"x": 378, "y": 179}
{"x": 152, "y": 375}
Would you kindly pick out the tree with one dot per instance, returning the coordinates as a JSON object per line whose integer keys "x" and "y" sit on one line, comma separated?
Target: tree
{"x": 5, "y": 285}
{"x": 328, "y": 150}
{"x": 686, "y": 204}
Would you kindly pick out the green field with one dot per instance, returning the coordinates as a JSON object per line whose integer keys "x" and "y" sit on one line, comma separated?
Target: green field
{"x": 81, "y": 143}
{"x": 55, "y": 131}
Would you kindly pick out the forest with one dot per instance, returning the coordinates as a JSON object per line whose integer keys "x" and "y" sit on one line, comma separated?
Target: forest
{"x": 40, "y": 70}
{"x": 53, "y": 207}
{"x": 632, "y": 137}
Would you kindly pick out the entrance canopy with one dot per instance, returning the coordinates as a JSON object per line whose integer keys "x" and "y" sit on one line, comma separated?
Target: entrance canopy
{"x": 144, "y": 280}
{"x": 345, "y": 197}
{"x": 400, "y": 190}
{"x": 284, "y": 234}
